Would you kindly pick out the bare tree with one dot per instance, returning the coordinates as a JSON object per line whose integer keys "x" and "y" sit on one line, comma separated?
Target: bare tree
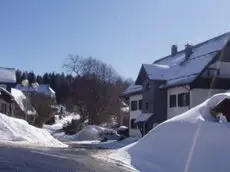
{"x": 95, "y": 89}
{"x": 74, "y": 64}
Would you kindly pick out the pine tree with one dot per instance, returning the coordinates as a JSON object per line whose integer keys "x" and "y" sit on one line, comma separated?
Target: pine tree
{"x": 31, "y": 77}
{"x": 39, "y": 79}
{"x": 23, "y": 76}
{"x": 18, "y": 76}
{"x": 46, "y": 78}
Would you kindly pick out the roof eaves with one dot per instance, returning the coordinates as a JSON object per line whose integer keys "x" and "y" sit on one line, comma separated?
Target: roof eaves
{"x": 190, "y": 79}
{"x": 131, "y": 93}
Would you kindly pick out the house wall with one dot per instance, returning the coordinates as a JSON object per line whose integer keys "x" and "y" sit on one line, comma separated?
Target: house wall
{"x": 134, "y": 115}
{"x": 199, "y": 95}
{"x": 171, "y": 112}
{"x": 5, "y": 107}
{"x": 148, "y": 96}
{"x": 157, "y": 100}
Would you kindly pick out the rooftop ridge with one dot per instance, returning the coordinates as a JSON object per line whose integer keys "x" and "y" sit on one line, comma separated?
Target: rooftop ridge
{"x": 194, "y": 46}
{"x": 7, "y": 68}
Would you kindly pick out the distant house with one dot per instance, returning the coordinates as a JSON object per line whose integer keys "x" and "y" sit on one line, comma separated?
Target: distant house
{"x": 23, "y": 107}
{"x": 13, "y": 102}
{"x": 16, "y": 104}
{"x": 44, "y": 89}
{"x": 175, "y": 83}
{"x": 7, "y": 78}
{"x": 7, "y": 81}
{"x": 124, "y": 114}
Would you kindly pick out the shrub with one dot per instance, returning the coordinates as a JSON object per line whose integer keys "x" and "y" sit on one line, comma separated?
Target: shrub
{"x": 72, "y": 127}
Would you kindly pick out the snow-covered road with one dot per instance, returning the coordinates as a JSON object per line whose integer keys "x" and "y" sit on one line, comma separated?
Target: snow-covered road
{"x": 52, "y": 160}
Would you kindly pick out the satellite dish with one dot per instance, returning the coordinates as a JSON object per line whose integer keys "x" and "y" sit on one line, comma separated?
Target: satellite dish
{"x": 25, "y": 82}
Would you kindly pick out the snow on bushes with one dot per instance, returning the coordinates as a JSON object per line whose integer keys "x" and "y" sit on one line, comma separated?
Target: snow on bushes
{"x": 88, "y": 133}
{"x": 192, "y": 141}
{"x": 60, "y": 122}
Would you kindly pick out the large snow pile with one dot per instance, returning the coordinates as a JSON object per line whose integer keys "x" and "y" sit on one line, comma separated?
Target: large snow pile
{"x": 13, "y": 130}
{"x": 89, "y": 133}
{"x": 190, "y": 142}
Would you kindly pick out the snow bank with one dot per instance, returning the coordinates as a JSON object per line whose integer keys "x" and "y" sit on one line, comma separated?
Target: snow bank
{"x": 13, "y": 130}
{"x": 189, "y": 142}
{"x": 89, "y": 133}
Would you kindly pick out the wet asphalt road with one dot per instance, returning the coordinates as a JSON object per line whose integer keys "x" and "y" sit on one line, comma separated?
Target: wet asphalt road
{"x": 53, "y": 160}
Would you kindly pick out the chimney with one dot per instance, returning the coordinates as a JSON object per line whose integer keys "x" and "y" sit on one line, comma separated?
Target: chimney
{"x": 188, "y": 51}
{"x": 173, "y": 50}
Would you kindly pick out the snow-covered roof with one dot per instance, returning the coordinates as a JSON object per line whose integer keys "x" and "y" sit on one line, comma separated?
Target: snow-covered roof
{"x": 43, "y": 89}
{"x": 133, "y": 89}
{"x": 143, "y": 117}
{"x": 178, "y": 67}
{"x": 7, "y": 75}
{"x": 23, "y": 102}
{"x": 179, "y": 81}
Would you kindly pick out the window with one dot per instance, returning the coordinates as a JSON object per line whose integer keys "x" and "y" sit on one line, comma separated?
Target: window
{"x": 133, "y": 125}
{"x": 3, "y": 108}
{"x": 148, "y": 86}
{"x": 172, "y": 101}
{"x": 140, "y": 105}
{"x": 146, "y": 106}
{"x": 183, "y": 99}
{"x": 133, "y": 105}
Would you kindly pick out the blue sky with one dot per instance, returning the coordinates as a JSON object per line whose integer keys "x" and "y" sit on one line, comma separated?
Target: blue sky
{"x": 38, "y": 35}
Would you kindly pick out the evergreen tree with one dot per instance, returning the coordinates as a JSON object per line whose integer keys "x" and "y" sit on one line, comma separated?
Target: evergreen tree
{"x": 23, "y": 76}
{"x": 18, "y": 76}
{"x": 46, "y": 78}
{"x": 31, "y": 77}
{"x": 39, "y": 79}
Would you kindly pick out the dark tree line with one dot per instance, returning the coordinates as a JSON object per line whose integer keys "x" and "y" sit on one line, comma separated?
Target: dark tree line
{"x": 91, "y": 85}
{"x": 60, "y": 83}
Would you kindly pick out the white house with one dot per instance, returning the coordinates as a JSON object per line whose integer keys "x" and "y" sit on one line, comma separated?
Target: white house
{"x": 133, "y": 93}
{"x": 181, "y": 80}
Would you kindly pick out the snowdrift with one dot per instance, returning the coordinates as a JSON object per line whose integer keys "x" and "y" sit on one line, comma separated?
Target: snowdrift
{"x": 190, "y": 142}
{"x": 89, "y": 133}
{"x": 13, "y": 130}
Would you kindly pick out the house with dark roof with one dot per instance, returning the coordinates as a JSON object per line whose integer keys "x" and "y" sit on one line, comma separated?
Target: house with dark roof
{"x": 7, "y": 81}
{"x": 175, "y": 83}
{"x": 7, "y": 78}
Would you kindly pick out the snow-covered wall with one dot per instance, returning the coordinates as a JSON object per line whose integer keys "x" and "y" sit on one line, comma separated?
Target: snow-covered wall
{"x": 173, "y": 111}
{"x": 197, "y": 96}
